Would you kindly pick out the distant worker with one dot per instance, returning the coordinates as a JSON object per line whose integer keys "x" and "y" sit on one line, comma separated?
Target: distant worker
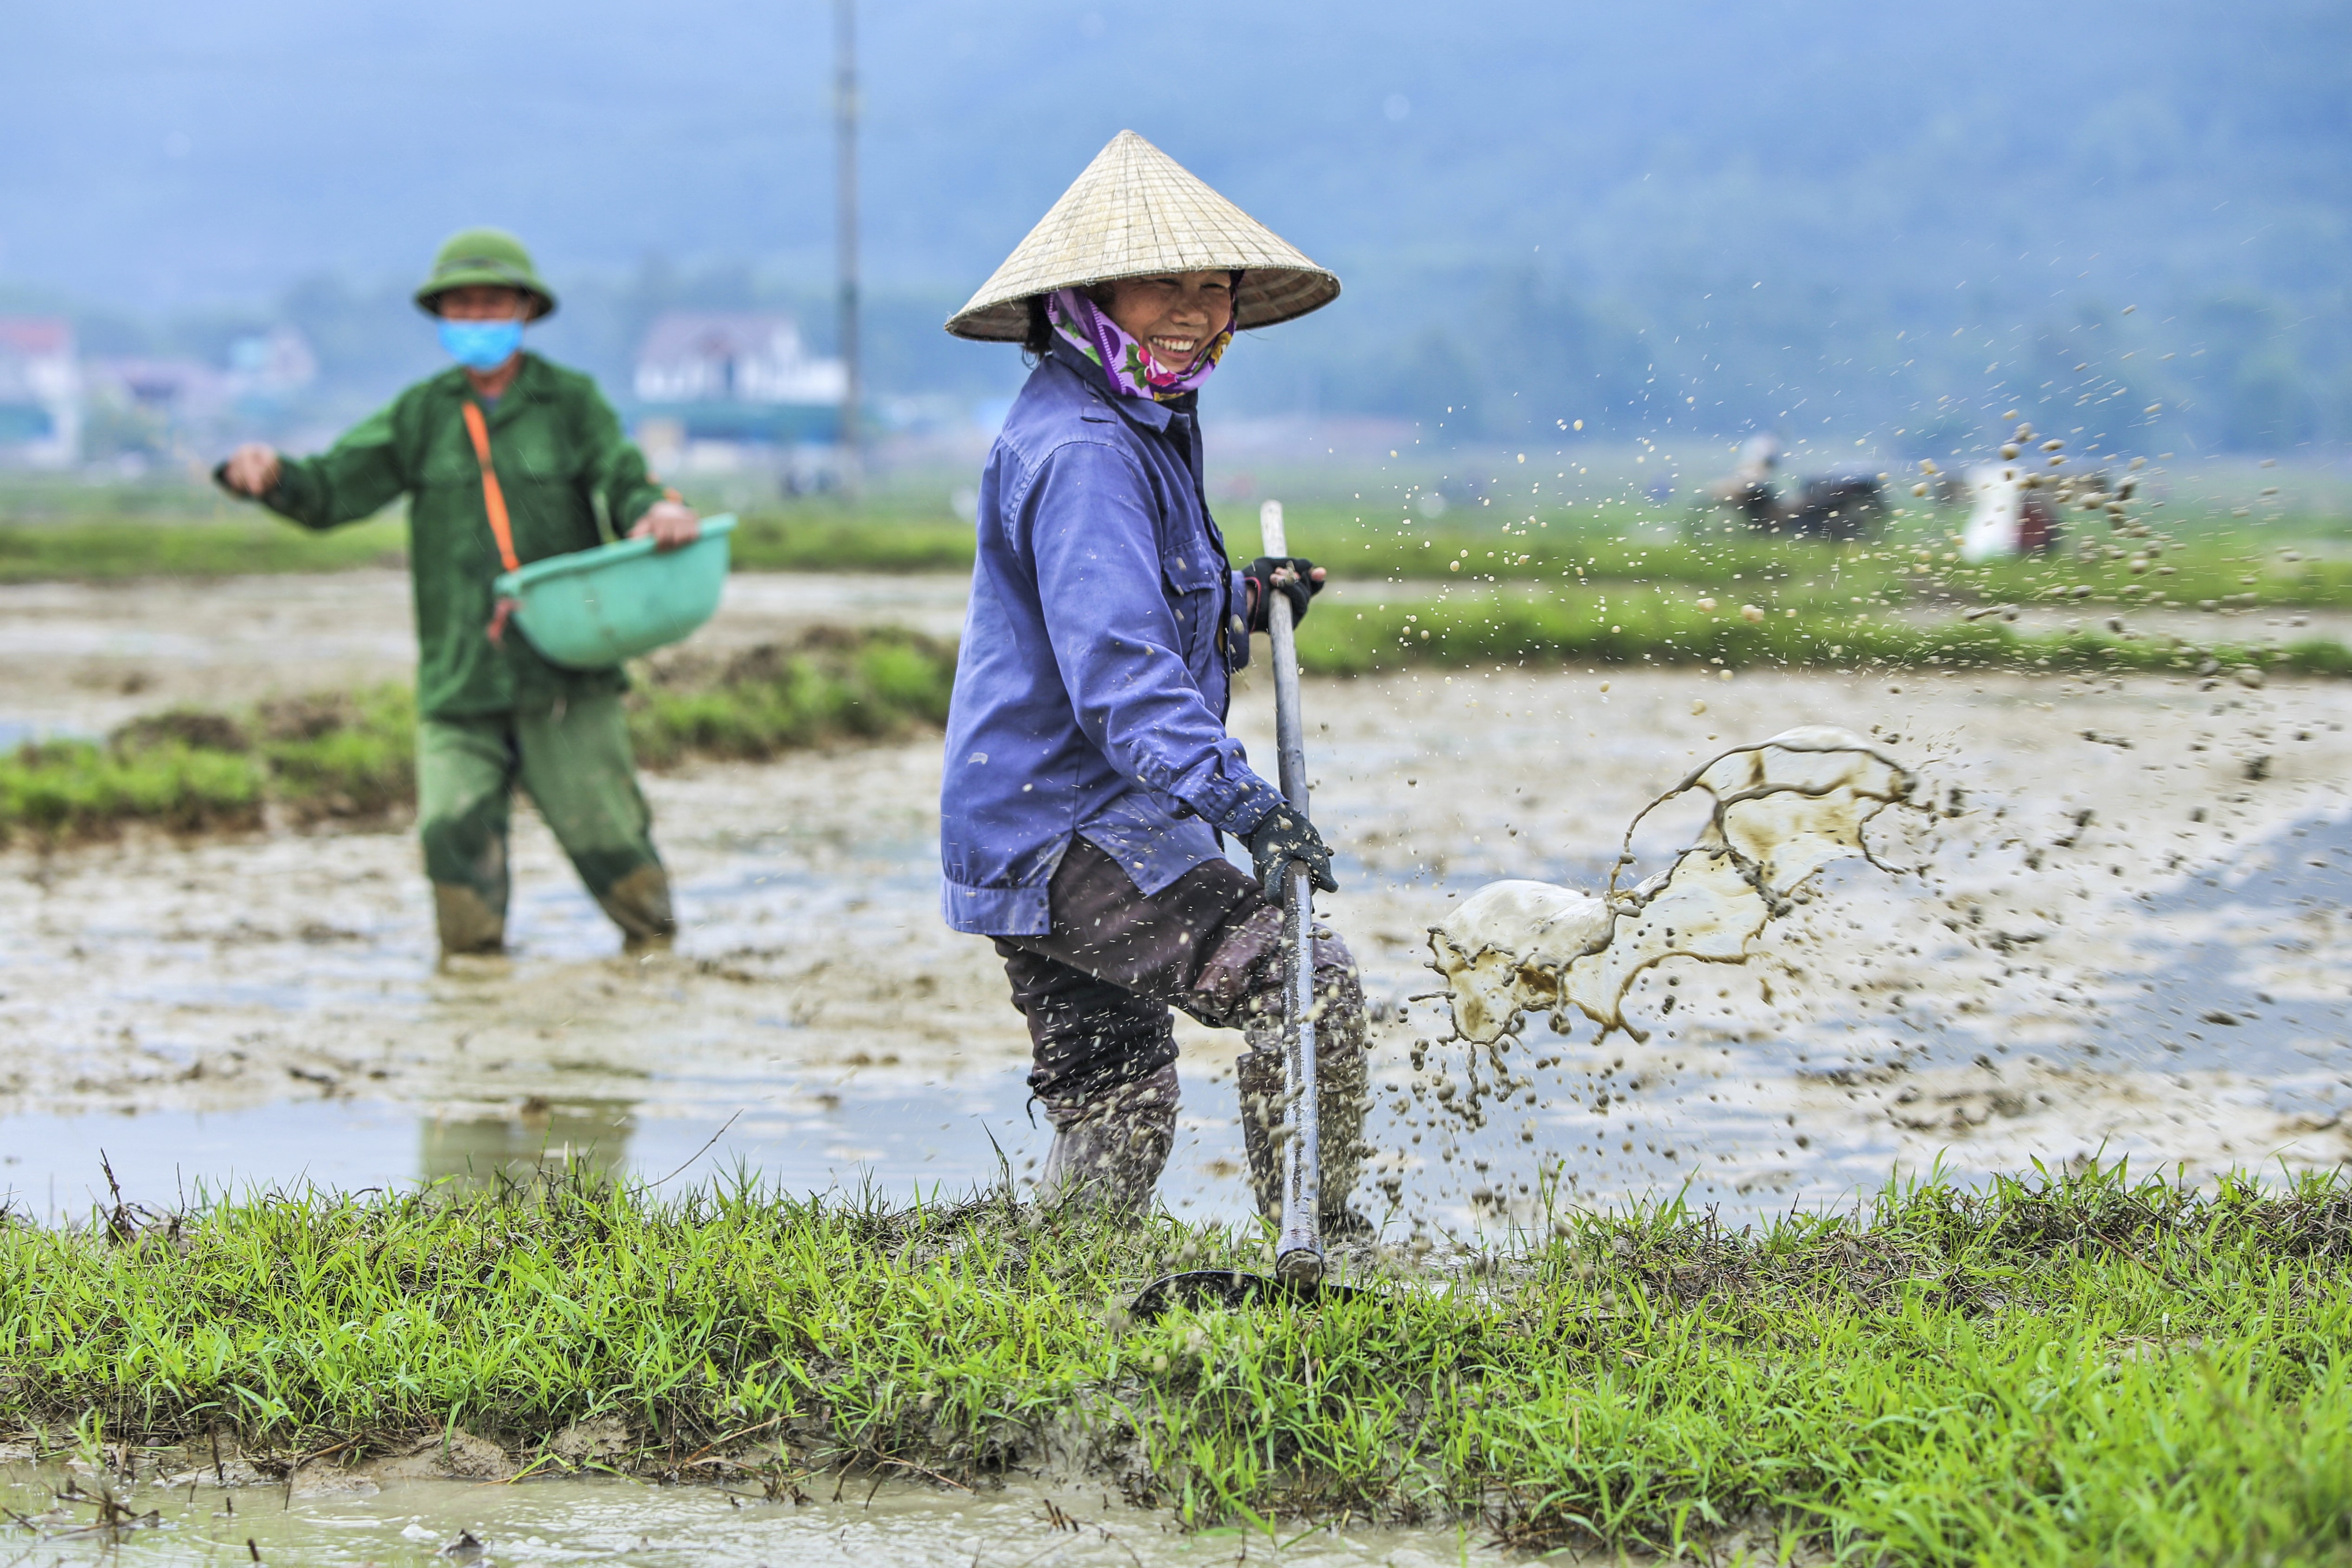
{"x": 1089, "y": 772}
{"x": 2011, "y": 515}
{"x": 1849, "y": 506}
{"x": 1748, "y": 488}
{"x": 504, "y": 457}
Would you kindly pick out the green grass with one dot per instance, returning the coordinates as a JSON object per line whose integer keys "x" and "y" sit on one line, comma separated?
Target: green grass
{"x": 820, "y": 537}
{"x": 2067, "y": 1369}
{"x": 2210, "y": 555}
{"x": 1638, "y": 624}
{"x": 1593, "y": 584}
{"x": 351, "y": 756}
{"x": 111, "y": 549}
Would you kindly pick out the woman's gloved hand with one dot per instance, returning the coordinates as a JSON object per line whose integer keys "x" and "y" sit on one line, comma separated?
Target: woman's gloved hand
{"x": 1286, "y": 836}
{"x": 1302, "y": 580}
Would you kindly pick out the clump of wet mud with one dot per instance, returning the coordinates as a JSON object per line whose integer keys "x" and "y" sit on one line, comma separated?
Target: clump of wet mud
{"x": 1782, "y": 810}
{"x": 192, "y": 728}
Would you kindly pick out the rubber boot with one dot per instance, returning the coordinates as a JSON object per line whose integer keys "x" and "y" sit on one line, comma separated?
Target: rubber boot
{"x": 639, "y": 905}
{"x": 1342, "y": 1094}
{"x": 1109, "y": 1150}
{"x": 469, "y": 925}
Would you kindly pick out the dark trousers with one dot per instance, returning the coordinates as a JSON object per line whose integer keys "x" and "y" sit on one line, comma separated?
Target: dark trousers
{"x": 1096, "y": 988}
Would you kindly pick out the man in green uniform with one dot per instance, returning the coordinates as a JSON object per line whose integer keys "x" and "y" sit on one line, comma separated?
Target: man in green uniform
{"x": 491, "y": 712}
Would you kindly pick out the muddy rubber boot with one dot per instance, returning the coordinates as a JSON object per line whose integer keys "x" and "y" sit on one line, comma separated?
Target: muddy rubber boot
{"x": 1257, "y": 1073}
{"x": 1341, "y": 1092}
{"x": 1343, "y": 1084}
{"x": 467, "y": 924}
{"x": 1109, "y": 1150}
{"x": 639, "y": 905}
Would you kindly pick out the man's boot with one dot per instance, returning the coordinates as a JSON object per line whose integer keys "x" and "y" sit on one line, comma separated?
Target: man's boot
{"x": 468, "y": 925}
{"x": 1342, "y": 1094}
{"x": 639, "y": 905}
{"x": 1108, "y": 1148}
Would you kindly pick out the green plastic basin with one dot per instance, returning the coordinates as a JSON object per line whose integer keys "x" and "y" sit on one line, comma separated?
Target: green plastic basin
{"x": 592, "y": 608}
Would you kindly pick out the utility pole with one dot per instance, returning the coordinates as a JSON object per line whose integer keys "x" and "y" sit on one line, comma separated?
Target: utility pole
{"x": 844, "y": 131}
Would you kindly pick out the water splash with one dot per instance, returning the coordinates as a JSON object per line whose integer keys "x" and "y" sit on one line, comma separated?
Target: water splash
{"x": 1782, "y": 808}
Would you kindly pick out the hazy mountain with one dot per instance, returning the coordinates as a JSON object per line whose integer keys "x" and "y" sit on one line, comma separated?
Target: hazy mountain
{"x": 1541, "y": 211}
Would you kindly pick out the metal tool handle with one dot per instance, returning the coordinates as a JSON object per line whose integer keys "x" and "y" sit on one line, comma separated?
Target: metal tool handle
{"x": 1299, "y": 1255}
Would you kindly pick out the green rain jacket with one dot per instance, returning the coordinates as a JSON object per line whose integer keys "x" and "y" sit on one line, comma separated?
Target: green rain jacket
{"x": 570, "y": 479}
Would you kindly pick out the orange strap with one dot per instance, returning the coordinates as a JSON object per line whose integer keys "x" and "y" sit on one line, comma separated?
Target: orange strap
{"x": 494, "y": 500}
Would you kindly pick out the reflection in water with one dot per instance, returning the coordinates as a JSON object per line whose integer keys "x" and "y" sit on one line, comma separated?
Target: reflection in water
{"x": 477, "y": 1153}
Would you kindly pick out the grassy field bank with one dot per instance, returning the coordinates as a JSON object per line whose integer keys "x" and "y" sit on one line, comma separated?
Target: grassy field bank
{"x": 332, "y": 755}
{"x": 1632, "y": 625}
{"x": 2074, "y": 1369}
{"x": 2287, "y": 561}
{"x": 349, "y": 755}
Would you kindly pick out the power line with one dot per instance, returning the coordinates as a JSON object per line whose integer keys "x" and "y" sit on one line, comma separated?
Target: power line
{"x": 844, "y": 107}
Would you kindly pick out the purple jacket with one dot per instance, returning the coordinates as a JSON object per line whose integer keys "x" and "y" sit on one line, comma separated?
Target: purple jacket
{"x": 1098, "y": 654}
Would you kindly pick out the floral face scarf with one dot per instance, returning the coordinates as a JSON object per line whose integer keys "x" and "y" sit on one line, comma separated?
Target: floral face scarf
{"x": 1129, "y": 364}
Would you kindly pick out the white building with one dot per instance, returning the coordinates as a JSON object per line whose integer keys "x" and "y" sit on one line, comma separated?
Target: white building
{"x": 40, "y": 392}
{"x": 270, "y": 365}
{"x": 706, "y": 357}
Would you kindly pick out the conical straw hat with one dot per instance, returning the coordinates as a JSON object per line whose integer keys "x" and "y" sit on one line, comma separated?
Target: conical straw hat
{"x": 1137, "y": 213}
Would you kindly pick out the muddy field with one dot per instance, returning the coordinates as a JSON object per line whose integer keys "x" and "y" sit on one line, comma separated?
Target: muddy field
{"x": 2118, "y": 932}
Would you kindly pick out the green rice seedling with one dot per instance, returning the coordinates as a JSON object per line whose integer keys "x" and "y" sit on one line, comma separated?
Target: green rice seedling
{"x": 70, "y": 788}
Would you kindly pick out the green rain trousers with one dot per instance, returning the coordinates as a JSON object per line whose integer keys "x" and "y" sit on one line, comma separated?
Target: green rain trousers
{"x": 573, "y": 759}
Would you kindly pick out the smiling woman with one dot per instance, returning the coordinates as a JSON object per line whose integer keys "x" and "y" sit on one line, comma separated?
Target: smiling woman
{"x": 1153, "y": 337}
{"x": 1089, "y": 770}
{"x": 1175, "y": 316}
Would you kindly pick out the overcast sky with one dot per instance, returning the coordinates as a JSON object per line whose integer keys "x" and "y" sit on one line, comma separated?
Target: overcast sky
{"x": 161, "y": 153}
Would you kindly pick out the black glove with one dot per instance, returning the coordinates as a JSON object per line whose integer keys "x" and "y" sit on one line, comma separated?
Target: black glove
{"x": 1259, "y": 574}
{"x": 1286, "y": 836}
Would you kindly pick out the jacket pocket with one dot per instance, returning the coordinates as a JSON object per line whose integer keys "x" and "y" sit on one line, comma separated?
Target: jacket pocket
{"x": 1193, "y": 579}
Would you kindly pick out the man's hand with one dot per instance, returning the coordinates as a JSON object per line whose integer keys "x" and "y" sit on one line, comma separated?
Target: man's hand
{"x": 252, "y": 470}
{"x": 1284, "y": 837}
{"x": 668, "y": 524}
{"x": 1298, "y": 579}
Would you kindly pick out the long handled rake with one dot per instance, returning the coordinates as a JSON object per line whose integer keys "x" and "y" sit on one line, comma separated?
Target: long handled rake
{"x": 1298, "y": 1264}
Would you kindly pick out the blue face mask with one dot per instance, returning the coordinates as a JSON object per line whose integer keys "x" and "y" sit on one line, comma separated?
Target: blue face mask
{"x": 481, "y": 345}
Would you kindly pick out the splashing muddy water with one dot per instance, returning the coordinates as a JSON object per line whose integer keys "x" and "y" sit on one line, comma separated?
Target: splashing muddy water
{"x": 1783, "y": 809}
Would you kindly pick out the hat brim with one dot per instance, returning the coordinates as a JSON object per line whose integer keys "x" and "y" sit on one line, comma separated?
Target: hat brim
{"x": 1267, "y": 297}
{"x": 428, "y": 295}
{"x": 1135, "y": 211}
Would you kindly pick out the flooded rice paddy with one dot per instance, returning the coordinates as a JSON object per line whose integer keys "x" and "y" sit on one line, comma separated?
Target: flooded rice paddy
{"x": 2122, "y": 934}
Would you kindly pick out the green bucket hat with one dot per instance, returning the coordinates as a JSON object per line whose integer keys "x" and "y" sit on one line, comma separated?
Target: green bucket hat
{"x": 491, "y": 256}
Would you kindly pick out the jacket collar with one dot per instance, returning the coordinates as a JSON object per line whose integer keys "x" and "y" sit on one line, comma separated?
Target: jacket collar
{"x": 1146, "y": 412}
{"x": 529, "y": 385}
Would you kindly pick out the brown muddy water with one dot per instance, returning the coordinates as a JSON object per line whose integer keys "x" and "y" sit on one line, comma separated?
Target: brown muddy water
{"x": 2121, "y": 933}
{"x": 75, "y": 1514}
